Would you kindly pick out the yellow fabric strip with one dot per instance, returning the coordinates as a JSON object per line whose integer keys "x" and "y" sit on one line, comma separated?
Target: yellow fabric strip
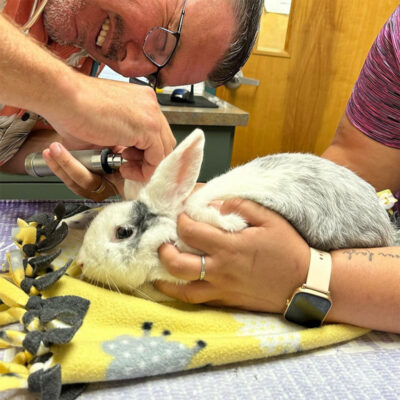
{"x": 10, "y": 316}
{"x": 13, "y": 382}
{"x": 13, "y": 376}
{"x": 11, "y": 339}
{"x": 27, "y": 232}
{"x": 23, "y": 357}
{"x": 12, "y": 295}
{"x": 13, "y": 368}
{"x": 17, "y": 272}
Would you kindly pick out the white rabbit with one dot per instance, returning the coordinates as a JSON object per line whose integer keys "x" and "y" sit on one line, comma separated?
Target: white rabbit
{"x": 330, "y": 206}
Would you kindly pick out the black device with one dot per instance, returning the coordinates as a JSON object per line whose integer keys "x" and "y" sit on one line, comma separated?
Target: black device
{"x": 181, "y": 95}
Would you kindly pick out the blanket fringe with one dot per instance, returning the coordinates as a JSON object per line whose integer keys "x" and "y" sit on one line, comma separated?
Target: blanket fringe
{"x": 45, "y": 321}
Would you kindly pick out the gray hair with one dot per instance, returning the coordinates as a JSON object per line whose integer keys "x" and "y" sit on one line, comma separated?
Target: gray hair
{"x": 248, "y": 14}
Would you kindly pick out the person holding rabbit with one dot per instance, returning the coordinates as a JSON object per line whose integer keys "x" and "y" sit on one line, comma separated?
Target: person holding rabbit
{"x": 260, "y": 267}
{"x": 46, "y": 42}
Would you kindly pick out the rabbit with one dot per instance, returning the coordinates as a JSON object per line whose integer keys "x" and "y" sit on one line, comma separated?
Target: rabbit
{"x": 329, "y": 205}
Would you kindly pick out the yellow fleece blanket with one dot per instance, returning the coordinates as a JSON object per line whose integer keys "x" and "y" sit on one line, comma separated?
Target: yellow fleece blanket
{"x": 77, "y": 332}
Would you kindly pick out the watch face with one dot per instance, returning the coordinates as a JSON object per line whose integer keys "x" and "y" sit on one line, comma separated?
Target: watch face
{"x": 307, "y": 309}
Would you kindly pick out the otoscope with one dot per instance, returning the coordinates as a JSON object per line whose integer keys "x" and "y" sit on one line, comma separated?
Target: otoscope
{"x": 98, "y": 161}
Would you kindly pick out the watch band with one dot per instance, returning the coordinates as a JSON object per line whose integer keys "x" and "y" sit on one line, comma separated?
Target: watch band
{"x": 319, "y": 271}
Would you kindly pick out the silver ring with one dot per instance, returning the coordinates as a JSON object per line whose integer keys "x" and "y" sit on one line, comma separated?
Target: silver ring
{"x": 203, "y": 268}
{"x": 101, "y": 187}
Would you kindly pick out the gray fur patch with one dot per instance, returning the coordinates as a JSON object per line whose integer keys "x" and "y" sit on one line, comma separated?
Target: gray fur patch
{"x": 142, "y": 219}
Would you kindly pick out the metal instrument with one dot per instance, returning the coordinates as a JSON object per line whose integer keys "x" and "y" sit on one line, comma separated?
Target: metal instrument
{"x": 97, "y": 161}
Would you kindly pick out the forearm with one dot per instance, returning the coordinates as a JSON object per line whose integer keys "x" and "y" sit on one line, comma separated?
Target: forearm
{"x": 30, "y": 76}
{"x": 372, "y": 161}
{"x": 36, "y": 142}
{"x": 365, "y": 288}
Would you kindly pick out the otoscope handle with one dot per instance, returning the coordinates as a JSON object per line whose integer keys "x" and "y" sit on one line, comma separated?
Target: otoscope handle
{"x": 97, "y": 161}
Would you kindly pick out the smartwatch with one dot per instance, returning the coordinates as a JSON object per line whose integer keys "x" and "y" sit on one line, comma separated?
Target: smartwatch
{"x": 311, "y": 302}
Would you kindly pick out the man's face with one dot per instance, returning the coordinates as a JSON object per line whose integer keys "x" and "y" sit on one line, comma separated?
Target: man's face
{"x": 113, "y": 32}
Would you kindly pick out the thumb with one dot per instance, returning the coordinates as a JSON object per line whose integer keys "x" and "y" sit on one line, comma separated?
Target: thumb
{"x": 254, "y": 213}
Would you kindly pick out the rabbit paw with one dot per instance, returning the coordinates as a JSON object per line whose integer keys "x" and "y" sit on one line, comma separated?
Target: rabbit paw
{"x": 210, "y": 215}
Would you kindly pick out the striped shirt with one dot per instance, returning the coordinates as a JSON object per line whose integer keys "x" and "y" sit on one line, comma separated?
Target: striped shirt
{"x": 374, "y": 105}
{"x": 15, "y": 123}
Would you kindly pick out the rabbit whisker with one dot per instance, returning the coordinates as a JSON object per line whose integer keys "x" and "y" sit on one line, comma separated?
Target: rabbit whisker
{"x": 115, "y": 285}
{"x": 142, "y": 294}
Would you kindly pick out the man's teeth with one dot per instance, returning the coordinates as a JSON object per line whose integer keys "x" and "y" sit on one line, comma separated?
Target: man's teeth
{"x": 103, "y": 33}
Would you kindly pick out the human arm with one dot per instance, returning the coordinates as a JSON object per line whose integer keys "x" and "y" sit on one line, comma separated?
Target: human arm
{"x": 81, "y": 108}
{"x": 373, "y": 161}
{"x": 260, "y": 267}
{"x": 74, "y": 175}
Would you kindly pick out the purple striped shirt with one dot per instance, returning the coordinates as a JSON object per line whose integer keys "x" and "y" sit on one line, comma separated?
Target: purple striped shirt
{"x": 374, "y": 105}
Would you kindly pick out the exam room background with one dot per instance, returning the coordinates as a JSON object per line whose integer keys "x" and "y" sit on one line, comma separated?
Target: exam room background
{"x": 307, "y": 63}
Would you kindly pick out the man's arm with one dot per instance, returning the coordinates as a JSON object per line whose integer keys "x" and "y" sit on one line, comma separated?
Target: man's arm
{"x": 79, "y": 107}
{"x": 74, "y": 175}
{"x": 30, "y": 77}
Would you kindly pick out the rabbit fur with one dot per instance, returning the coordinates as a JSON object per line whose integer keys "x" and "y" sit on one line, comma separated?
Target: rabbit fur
{"x": 329, "y": 205}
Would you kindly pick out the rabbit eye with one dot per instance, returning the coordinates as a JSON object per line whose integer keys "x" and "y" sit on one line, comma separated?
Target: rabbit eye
{"x": 123, "y": 232}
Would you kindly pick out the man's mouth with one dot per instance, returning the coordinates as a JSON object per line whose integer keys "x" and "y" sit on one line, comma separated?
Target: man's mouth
{"x": 103, "y": 32}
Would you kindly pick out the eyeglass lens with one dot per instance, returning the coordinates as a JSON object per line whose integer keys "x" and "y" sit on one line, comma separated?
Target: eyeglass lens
{"x": 159, "y": 45}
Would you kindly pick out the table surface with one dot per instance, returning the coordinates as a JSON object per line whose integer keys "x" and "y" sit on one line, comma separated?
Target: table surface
{"x": 365, "y": 368}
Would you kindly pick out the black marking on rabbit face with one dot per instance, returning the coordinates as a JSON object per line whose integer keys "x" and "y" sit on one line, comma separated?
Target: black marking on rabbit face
{"x": 141, "y": 220}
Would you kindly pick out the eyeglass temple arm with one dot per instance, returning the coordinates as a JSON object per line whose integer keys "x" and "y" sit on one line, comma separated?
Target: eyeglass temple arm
{"x": 182, "y": 15}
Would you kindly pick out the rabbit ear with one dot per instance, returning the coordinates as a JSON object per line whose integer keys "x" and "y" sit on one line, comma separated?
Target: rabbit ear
{"x": 176, "y": 176}
{"x": 132, "y": 189}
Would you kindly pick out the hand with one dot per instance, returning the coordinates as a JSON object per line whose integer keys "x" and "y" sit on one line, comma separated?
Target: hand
{"x": 109, "y": 113}
{"x": 78, "y": 178}
{"x": 257, "y": 268}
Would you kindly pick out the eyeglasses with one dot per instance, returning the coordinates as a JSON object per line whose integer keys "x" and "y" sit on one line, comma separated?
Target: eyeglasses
{"x": 160, "y": 45}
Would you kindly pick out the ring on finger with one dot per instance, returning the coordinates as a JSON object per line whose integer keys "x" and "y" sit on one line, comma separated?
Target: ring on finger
{"x": 101, "y": 187}
{"x": 203, "y": 268}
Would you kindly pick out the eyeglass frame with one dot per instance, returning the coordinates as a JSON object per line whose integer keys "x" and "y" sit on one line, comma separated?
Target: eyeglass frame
{"x": 154, "y": 76}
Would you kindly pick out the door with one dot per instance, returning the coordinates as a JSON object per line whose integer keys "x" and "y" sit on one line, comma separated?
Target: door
{"x": 307, "y": 63}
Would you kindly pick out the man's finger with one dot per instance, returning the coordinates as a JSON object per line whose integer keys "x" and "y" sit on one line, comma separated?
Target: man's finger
{"x": 132, "y": 154}
{"x": 64, "y": 163}
{"x": 75, "y": 176}
{"x": 167, "y": 137}
{"x": 132, "y": 170}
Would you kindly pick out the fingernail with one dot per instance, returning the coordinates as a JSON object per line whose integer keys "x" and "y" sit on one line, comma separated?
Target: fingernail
{"x": 55, "y": 149}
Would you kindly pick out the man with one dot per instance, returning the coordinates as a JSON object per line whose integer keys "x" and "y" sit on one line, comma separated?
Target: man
{"x": 215, "y": 40}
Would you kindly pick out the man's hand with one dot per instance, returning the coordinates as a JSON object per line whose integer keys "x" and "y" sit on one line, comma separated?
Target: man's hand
{"x": 78, "y": 178}
{"x": 109, "y": 113}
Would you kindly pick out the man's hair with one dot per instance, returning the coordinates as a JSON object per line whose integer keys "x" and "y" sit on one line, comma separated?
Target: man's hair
{"x": 247, "y": 14}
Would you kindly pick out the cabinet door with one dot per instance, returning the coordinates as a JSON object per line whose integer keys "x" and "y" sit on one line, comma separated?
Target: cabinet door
{"x": 305, "y": 84}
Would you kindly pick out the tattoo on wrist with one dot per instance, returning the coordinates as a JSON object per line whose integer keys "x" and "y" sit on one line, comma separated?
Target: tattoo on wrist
{"x": 370, "y": 254}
